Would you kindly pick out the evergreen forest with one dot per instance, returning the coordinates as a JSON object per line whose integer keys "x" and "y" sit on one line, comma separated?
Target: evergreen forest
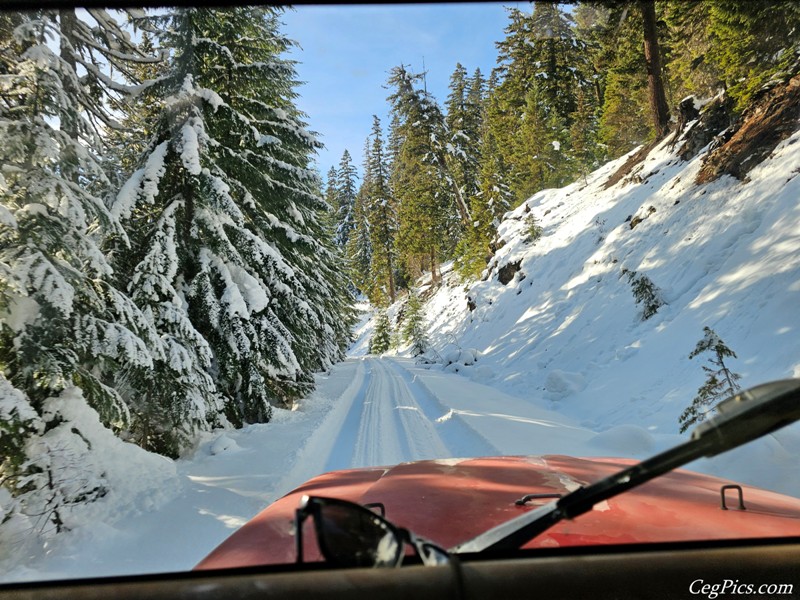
{"x": 576, "y": 85}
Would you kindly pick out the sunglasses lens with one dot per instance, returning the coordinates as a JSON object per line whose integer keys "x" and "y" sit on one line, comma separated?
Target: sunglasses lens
{"x": 432, "y": 555}
{"x": 352, "y": 536}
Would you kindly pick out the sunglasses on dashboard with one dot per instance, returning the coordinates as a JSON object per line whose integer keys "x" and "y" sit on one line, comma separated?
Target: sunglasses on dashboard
{"x": 351, "y": 535}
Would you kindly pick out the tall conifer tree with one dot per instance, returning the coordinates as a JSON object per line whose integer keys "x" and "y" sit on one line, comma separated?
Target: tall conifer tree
{"x": 544, "y": 69}
{"x": 346, "y": 190}
{"x": 64, "y": 322}
{"x": 425, "y": 204}
{"x": 463, "y": 121}
{"x": 747, "y": 46}
{"x": 246, "y": 260}
{"x": 382, "y": 215}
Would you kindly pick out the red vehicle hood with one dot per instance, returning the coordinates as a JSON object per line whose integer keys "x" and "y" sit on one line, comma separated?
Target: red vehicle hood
{"x": 452, "y": 501}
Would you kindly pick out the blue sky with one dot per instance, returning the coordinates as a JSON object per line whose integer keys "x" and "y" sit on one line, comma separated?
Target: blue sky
{"x": 347, "y": 52}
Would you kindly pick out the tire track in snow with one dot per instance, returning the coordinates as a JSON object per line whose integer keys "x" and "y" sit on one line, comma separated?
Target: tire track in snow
{"x": 386, "y": 415}
{"x": 393, "y": 427}
{"x": 506, "y": 424}
{"x": 325, "y": 449}
{"x": 455, "y": 432}
{"x": 341, "y": 453}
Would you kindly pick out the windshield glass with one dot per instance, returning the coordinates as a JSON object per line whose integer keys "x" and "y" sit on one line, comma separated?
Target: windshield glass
{"x": 528, "y": 244}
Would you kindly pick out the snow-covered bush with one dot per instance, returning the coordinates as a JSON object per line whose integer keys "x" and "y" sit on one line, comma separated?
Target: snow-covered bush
{"x": 533, "y": 229}
{"x": 645, "y": 293}
{"x": 74, "y": 470}
{"x": 452, "y": 357}
{"x": 414, "y": 328}
{"x": 381, "y": 339}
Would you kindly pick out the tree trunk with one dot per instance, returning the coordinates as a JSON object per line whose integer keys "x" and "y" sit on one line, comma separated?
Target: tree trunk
{"x": 652, "y": 56}
{"x": 461, "y": 204}
{"x": 66, "y": 18}
{"x": 392, "y": 291}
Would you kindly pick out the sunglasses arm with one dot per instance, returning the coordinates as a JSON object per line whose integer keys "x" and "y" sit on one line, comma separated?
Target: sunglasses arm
{"x": 299, "y": 517}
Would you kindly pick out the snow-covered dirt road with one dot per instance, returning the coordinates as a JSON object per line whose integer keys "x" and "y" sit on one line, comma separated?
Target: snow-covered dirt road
{"x": 388, "y": 410}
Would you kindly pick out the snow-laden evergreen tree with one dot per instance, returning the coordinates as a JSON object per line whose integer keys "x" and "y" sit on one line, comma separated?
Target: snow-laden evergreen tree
{"x": 230, "y": 245}
{"x": 331, "y": 193}
{"x": 346, "y": 191}
{"x": 488, "y": 205}
{"x": 414, "y": 330}
{"x": 475, "y": 104}
{"x": 721, "y": 382}
{"x": 63, "y": 323}
{"x": 140, "y": 110}
{"x": 464, "y": 118}
{"x": 645, "y": 292}
{"x": 381, "y": 339}
{"x": 358, "y": 251}
{"x": 543, "y": 66}
{"x": 426, "y": 208}
{"x": 381, "y": 212}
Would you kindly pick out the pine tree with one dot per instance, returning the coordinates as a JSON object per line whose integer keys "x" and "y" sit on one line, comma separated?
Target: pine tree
{"x": 747, "y": 47}
{"x": 346, "y": 190}
{"x": 381, "y": 339}
{"x": 358, "y": 251}
{"x": 720, "y": 383}
{"x": 331, "y": 191}
{"x": 545, "y": 69}
{"x": 140, "y": 108}
{"x": 381, "y": 214}
{"x": 476, "y": 100}
{"x": 488, "y": 206}
{"x": 464, "y": 121}
{"x": 617, "y": 52}
{"x": 393, "y": 140}
{"x": 64, "y": 322}
{"x": 624, "y": 119}
{"x": 424, "y": 202}
{"x": 237, "y": 220}
{"x": 584, "y": 134}
{"x": 645, "y": 292}
{"x": 689, "y": 50}
{"x": 414, "y": 331}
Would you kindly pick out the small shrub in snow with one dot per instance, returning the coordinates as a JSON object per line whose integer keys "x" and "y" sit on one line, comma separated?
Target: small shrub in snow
{"x": 533, "y": 229}
{"x": 600, "y": 224}
{"x": 56, "y": 469}
{"x": 645, "y": 293}
{"x": 414, "y": 331}
{"x": 382, "y": 336}
{"x": 720, "y": 383}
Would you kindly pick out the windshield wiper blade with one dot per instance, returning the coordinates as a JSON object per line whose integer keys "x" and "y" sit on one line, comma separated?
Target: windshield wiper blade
{"x": 742, "y": 418}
